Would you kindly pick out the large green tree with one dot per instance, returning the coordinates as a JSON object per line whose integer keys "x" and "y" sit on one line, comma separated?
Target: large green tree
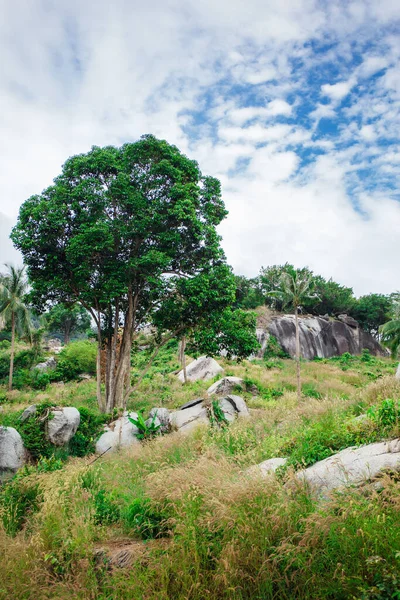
{"x": 116, "y": 232}
{"x": 372, "y": 311}
{"x": 13, "y": 309}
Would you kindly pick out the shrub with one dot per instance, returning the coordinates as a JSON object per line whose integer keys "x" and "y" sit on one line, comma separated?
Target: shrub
{"x": 76, "y": 358}
{"x": 274, "y": 349}
{"x": 19, "y": 499}
{"x": 89, "y": 430}
{"x": 141, "y": 517}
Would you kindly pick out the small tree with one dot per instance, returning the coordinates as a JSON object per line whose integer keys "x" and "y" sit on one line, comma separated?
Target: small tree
{"x": 13, "y": 308}
{"x": 295, "y": 287}
{"x": 390, "y": 333}
{"x": 68, "y": 320}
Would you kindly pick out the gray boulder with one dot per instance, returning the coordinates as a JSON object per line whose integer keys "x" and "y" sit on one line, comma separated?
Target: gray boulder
{"x": 226, "y": 385}
{"x": 228, "y": 409}
{"x": 203, "y": 368}
{"x": 119, "y": 434}
{"x": 28, "y": 412}
{"x": 398, "y": 372}
{"x": 239, "y": 405}
{"x": 191, "y": 403}
{"x": 163, "y": 418}
{"x": 62, "y": 427}
{"x": 267, "y": 467}
{"x": 50, "y": 363}
{"x": 12, "y": 452}
{"x": 352, "y": 466}
{"x": 348, "y": 320}
{"x": 185, "y": 420}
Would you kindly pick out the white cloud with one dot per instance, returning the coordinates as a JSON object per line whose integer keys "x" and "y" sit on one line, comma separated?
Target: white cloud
{"x": 337, "y": 91}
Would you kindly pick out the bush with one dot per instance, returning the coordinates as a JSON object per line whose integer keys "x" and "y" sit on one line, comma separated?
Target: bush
{"x": 89, "y": 430}
{"x": 76, "y": 358}
{"x": 19, "y": 499}
{"x": 144, "y": 519}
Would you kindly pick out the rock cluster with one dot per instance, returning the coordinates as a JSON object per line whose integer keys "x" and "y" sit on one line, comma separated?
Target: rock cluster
{"x": 203, "y": 368}
{"x": 12, "y": 452}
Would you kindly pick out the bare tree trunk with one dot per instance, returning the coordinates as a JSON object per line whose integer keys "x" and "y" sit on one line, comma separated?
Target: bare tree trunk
{"x": 297, "y": 354}
{"x": 183, "y": 349}
{"x": 124, "y": 363}
{"x": 10, "y": 377}
{"x": 100, "y": 400}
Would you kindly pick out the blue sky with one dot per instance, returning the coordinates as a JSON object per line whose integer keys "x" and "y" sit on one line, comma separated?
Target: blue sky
{"x": 293, "y": 104}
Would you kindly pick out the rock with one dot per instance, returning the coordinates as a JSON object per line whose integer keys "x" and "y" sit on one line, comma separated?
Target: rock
{"x": 239, "y": 405}
{"x": 352, "y": 466}
{"x": 226, "y": 385}
{"x": 321, "y": 338}
{"x": 62, "y": 427}
{"x": 398, "y": 372}
{"x": 192, "y": 403}
{"x": 267, "y": 467}
{"x": 185, "y": 420}
{"x": 348, "y": 320}
{"x": 203, "y": 368}
{"x": 85, "y": 377}
{"x": 28, "y": 412}
{"x": 228, "y": 409}
{"x": 53, "y": 345}
{"x": 120, "y": 434}
{"x": 50, "y": 363}
{"x": 163, "y": 417}
{"x": 12, "y": 452}
{"x": 262, "y": 339}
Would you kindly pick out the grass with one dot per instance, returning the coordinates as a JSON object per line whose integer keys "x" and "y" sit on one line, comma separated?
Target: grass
{"x": 194, "y": 525}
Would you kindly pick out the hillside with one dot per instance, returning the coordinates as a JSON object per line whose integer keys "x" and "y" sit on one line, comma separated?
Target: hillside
{"x": 178, "y": 517}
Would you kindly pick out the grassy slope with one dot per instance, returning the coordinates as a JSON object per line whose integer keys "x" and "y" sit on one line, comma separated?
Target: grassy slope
{"x": 216, "y": 533}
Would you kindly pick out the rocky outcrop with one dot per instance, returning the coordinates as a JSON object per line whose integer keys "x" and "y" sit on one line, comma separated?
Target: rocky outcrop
{"x": 119, "y": 434}
{"x": 12, "y": 452}
{"x": 50, "y": 363}
{"x": 320, "y": 337}
{"x": 203, "y": 368}
{"x": 162, "y": 418}
{"x": 196, "y": 412}
{"x": 63, "y": 425}
{"x": 352, "y": 466}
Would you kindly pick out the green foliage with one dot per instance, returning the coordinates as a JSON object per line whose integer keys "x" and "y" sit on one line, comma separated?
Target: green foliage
{"x": 141, "y": 518}
{"x": 248, "y": 293}
{"x": 390, "y": 333}
{"x": 386, "y": 414}
{"x": 216, "y": 414}
{"x": 89, "y": 430}
{"x": 273, "y": 349}
{"x": 107, "y": 511}
{"x": 372, "y": 311}
{"x": 67, "y": 320}
{"x": 25, "y": 359}
{"x": 19, "y": 499}
{"x": 309, "y": 389}
{"x": 145, "y": 431}
{"x": 33, "y": 432}
{"x": 76, "y": 358}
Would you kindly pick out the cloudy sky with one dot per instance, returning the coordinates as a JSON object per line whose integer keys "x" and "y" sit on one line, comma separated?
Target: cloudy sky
{"x": 293, "y": 104}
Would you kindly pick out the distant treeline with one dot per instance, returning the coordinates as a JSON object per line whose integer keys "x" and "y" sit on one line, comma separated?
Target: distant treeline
{"x": 331, "y": 298}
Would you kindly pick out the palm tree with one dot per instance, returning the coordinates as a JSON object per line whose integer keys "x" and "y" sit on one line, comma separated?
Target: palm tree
{"x": 13, "y": 309}
{"x": 390, "y": 333}
{"x": 294, "y": 288}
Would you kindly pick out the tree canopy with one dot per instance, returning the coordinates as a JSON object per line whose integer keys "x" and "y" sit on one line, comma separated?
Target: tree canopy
{"x": 120, "y": 231}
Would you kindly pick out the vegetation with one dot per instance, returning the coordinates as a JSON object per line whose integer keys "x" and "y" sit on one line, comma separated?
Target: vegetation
{"x": 13, "y": 309}
{"x": 67, "y": 321}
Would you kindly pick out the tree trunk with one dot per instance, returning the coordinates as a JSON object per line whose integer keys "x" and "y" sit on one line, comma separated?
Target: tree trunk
{"x": 183, "y": 349}
{"x": 297, "y": 354}
{"x": 100, "y": 400}
{"x": 118, "y": 399}
{"x": 10, "y": 377}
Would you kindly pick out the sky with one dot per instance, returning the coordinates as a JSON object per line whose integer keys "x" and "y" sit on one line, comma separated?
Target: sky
{"x": 293, "y": 104}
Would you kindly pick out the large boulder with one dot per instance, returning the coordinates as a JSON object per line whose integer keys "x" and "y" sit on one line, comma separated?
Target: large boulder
{"x": 63, "y": 425}
{"x": 238, "y": 404}
{"x": 12, "y": 452}
{"x": 398, "y": 372}
{"x": 186, "y": 419}
{"x": 226, "y": 385}
{"x": 203, "y": 368}
{"x": 322, "y": 338}
{"x": 119, "y": 434}
{"x": 352, "y": 466}
{"x": 28, "y": 413}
